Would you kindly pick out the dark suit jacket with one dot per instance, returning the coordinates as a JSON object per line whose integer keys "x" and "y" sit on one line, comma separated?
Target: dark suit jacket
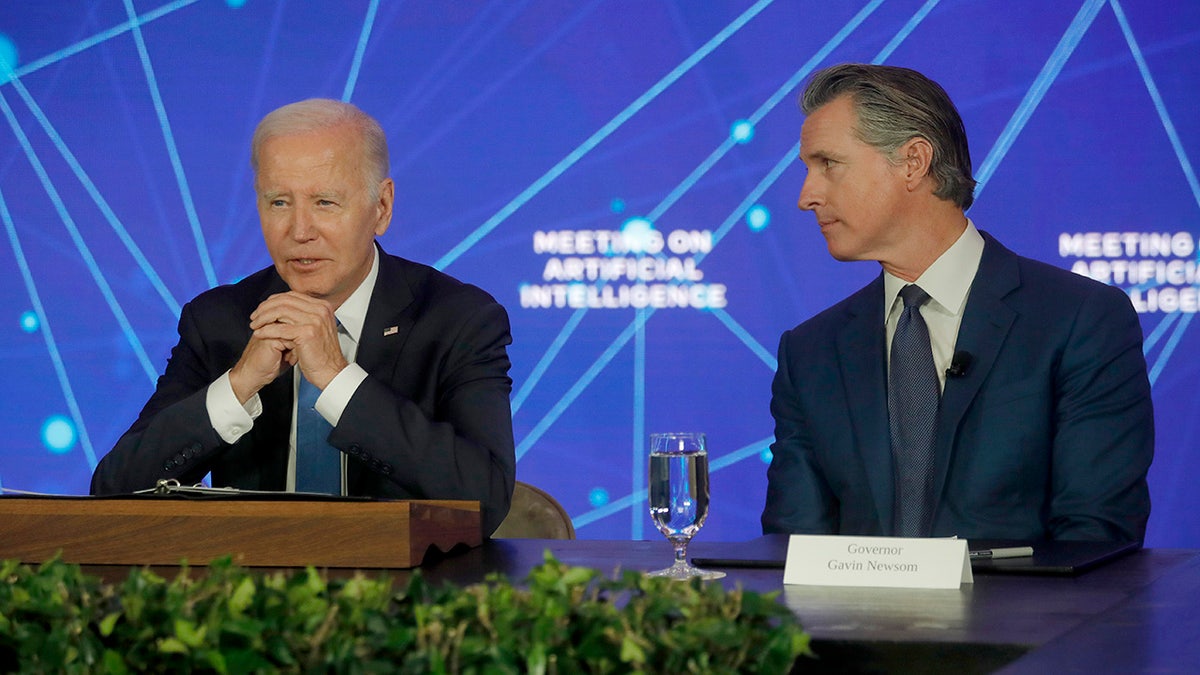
{"x": 431, "y": 421}
{"x": 1048, "y": 434}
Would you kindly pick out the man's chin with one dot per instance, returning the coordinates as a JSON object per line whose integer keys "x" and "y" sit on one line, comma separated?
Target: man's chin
{"x": 840, "y": 254}
{"x": 308, "y": 288}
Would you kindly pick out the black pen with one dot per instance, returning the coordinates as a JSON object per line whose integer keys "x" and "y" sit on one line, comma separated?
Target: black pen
{"x": 997, "y": 553}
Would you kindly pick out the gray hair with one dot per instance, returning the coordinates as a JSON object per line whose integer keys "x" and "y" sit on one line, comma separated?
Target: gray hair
{"x": 895, "y": 105}
{"x": 323, "y": 113}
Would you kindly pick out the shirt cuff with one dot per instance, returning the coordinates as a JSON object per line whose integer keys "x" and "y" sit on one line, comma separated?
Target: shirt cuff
{"x": 336, "y": 396}
{"x": 230, "y": 419}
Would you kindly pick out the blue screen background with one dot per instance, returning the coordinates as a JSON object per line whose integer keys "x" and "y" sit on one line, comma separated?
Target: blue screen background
{"x": 125, "y": 190}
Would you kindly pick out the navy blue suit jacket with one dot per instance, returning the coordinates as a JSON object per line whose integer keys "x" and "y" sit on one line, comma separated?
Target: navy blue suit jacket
{"x": 431, "y": 421}
{"x": 1048, "y": 434}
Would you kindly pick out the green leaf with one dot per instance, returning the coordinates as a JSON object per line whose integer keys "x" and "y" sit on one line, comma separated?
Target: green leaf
{"x": 216, "y": 660}
{"x": 631, "y": 651}
{"x": 171, "y": 646}
{"x": 535, "y": 663}
{"x": 114, "y": 664}
{"x": 242, "y": 596}
{"x": 190, "y": 634}
{"x": 108, "y": 623}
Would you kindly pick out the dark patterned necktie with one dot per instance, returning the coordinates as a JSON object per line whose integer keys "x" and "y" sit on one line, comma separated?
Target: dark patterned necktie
{"x": 913, "y": 397}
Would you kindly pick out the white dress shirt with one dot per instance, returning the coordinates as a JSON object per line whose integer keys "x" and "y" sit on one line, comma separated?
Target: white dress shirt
{"x": 232, "y": 420}
{"x": 948, "y": 283}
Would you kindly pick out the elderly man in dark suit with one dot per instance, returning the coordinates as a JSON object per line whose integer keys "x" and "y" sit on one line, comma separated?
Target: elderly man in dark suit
{"x": 967, "y": 390}
{"x": 340, "y": 369}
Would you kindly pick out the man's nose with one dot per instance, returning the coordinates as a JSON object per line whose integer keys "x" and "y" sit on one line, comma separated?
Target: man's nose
{"x": 809, "y": 197}
{"x": 302, "y": 226}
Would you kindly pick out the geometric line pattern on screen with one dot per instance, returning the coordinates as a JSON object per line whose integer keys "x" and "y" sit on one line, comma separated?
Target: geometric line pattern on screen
{"x": 595, "y": 139}
{"x": 56, "y": 360}
{"x": 772, "y": 101}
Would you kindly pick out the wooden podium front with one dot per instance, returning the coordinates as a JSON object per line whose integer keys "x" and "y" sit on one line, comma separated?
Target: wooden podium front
{"x": 256, "y": 532}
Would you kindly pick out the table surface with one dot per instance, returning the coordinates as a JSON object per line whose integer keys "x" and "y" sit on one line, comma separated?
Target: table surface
{"x": 1138, "y": 613}
{"x": 1137, "y": 607}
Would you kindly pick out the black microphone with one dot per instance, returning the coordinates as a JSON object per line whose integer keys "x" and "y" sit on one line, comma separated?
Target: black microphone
{"x": 959, "y": 364}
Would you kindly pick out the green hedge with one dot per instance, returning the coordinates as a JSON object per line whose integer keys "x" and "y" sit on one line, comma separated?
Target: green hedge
{"x": 55, "y": 619}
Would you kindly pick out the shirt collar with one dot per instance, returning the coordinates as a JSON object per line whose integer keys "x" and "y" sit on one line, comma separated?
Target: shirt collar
{"x": 353, "y": 312}
{"x": 943, "y": 280}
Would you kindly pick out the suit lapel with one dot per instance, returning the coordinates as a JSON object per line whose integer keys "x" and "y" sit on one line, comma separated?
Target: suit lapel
{"x": 385, "y": 329}
{"x": 387, "y": 324}
{"x": 861, "y": 355}
{"x": 985, "y": 325}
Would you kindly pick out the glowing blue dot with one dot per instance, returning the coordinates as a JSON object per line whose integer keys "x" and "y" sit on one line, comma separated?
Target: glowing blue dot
{"x": 58, "y": 434}
{"x": 8, "y": 57}
{"x": 235, "y": 3}
{"x": 29, "y": 322}
{"x": 741, "y": 131}
{"x": 617, "y": 205}
{"x": 766, "y": 456}
{"x": 758, "y": 217}
{"x": 636, "y": 232}
{"x": 598, "y": 497}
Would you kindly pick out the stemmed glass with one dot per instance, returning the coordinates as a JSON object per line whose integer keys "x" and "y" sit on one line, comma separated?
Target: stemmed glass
{"x": 679, "y": 496}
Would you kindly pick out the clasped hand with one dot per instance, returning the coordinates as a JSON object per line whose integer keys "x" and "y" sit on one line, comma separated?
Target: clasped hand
{"x": 290, "y": 329}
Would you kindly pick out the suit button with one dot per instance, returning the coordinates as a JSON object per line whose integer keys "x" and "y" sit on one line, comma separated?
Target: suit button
{"x": 170, "y": 465}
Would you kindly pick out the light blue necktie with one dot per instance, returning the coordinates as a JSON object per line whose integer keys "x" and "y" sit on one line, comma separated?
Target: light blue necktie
{"x": 913, "y": 397}
{"x": 318, "y": 464}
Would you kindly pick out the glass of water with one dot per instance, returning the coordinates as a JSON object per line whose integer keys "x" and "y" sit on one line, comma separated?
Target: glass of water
{"x": 678, "y": 496}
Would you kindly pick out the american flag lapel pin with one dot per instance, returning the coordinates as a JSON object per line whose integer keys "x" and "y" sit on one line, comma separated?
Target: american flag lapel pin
{"x": 391, "y": 330}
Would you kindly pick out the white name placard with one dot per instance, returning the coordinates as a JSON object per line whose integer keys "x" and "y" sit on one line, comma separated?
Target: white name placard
{"x": 888, "y": 562}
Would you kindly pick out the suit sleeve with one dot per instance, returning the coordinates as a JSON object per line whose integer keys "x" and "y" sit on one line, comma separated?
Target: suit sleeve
{"x": 463, "y": 448}
{"x": 799, "y": 500}
{"x": 1104, "y": 426}
{"x": 172, "y": 436}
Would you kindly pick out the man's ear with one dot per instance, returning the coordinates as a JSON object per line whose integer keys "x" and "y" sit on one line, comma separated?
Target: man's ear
{"x": 916, "y": 155}
{"x": 387, "y": 199}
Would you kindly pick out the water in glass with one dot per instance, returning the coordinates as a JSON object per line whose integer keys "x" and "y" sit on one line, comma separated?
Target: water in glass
{"x": 678, "y": 492}
{"x": 678, "y": 496}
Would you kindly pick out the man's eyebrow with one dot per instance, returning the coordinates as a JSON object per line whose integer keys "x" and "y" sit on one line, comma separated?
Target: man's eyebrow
{"x": 818, "y": 155}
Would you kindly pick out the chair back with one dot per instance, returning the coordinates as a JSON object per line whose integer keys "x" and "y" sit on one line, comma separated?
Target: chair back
{"x": 534, "y": 514}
